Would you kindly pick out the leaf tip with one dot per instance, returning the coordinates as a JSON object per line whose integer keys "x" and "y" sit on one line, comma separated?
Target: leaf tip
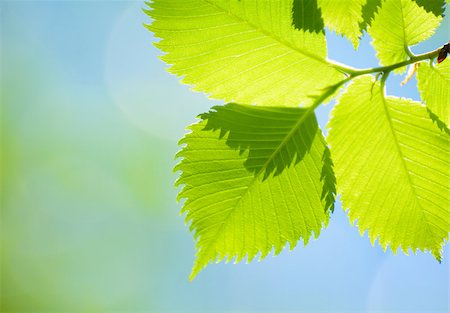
{"x": 437, "y": 252}
{"x": 199, "y": 265}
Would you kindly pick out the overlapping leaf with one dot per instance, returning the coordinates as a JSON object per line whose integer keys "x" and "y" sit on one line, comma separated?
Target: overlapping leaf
{"x": 306, "y": 16}
{"x": 392, "y": 168}
{"x": 255, "y": 178}
{"x": 398, "y": 25}
{"x": 368, "y": 11}
{"x": 434, "y": 86}
{"x": 244, "y": 51}
{"x": 435, "y": 6}
{"x": 343, "y": 17}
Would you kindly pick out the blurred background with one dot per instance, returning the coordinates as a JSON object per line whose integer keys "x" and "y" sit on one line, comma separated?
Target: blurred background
{"x": 90, "y": 121}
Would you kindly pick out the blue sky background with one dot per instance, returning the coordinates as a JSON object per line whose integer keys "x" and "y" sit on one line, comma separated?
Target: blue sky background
{"x": 89, "y": 122}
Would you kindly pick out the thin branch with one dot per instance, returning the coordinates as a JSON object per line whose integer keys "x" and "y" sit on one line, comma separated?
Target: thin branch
{"x": 354, "y": 72}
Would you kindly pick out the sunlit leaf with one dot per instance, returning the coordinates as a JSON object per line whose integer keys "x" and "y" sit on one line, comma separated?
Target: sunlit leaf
{"x": 368, "y": 12}
{"x": 306, "y": 16}
{"x": 243, "y": 51}
{"x": 434, "y": 87}
{"x": 398, "y": 25}
{"x": 392, "y": 168}
{"x": 254, "y": 180}
{"x": 344, "y": 18}
{"x": 434, "y": 6}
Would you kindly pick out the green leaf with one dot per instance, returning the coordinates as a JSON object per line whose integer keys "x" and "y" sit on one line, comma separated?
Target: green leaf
{"x": 368, "y": 11}
{"x": 434, "y": 6}
{"x": 398, "y": 25}
{"x": 255, "y": 179}
{"x": 440, "y": 124}
{"x": 344, "y": 18}
{"x": 434, "y": 86}
{"x": 307, "y": 16}
{"x": 392, "y": 168}
{"x": 243, "y": 51}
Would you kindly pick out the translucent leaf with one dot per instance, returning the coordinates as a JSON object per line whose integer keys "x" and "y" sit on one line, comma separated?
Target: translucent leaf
{"x": 434, "y": 86}
{"x": 435, "y": 6}
{"x": 371, "y": 7}
{"x": 392, "y": 168}
{"x": 344, "y": 17}
{"x": 244, "y": 51}
{"x": 368, "y": 11}
{"x": 398, "y": 25}
{"x": 255, "y": 179}
{"x": 307, "y": 16}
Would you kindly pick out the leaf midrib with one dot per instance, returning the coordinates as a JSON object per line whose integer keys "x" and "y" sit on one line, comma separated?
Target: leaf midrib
{"x": 256, "y": 176}
{"x": 402, "y": 158}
